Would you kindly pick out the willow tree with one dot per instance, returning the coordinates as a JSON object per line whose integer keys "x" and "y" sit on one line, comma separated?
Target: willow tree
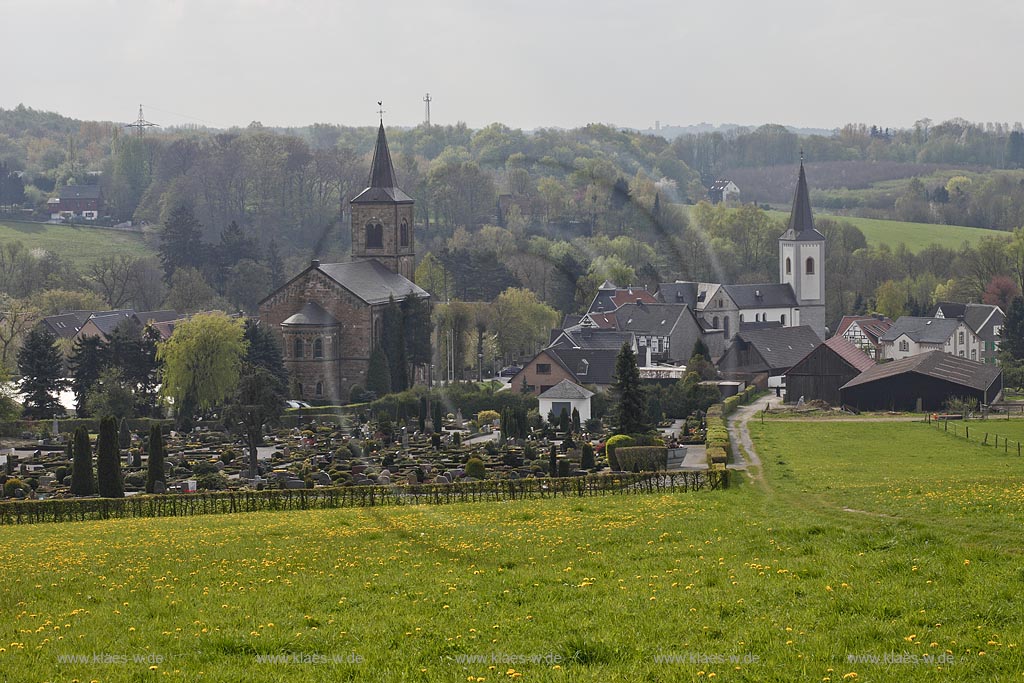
{"x": 202, "y": 362}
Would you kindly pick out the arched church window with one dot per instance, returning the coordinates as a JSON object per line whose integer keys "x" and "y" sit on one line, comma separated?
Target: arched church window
{"x": 789, "y": 266}
{"x": 403, "y": 234}
{"x": 725, "y": 326}
{"x": 300, "y": 348}
{"x": 374, "y": 236}
{"x": 319, "y": 388}
{"x": 714, "y": 322}
{"x": 810, "y": 266}
{"x": 318, "y": 348}
{"x": 376, "y": 331}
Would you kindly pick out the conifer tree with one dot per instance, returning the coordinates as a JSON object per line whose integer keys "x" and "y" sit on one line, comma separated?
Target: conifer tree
{"x": 109, "y": 480}
{"x": 631, "y": 407}
{"x": 553, "y": 462}
{"x": 378, "y": 376}
{"x": 82, "y": 483}
{"x": 155, "y": 466}
{"x": 41, "y": 368}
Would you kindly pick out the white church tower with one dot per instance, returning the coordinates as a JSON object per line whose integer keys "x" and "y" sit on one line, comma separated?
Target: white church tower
{"x": 802, "y": 259}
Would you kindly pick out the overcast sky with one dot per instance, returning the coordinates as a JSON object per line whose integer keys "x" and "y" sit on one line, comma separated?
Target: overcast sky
{"x": 527, "y": 63}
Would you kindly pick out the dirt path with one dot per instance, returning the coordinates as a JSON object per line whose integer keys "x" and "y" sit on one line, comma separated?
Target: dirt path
{"x": 739, "y": 435}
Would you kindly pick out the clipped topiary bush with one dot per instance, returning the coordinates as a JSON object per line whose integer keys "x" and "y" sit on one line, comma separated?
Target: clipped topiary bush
{"x": 610, "y": 446}
{"x": 642, "y": 458}
{"x": 475, "y": 468}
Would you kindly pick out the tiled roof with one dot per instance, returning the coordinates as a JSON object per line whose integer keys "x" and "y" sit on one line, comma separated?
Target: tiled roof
{"x": 780, "y": 348}
{"x": 850, "y": 352}
{"x": 80, "y": 192}
{"x": 600, "y": 363}
{"x": 653, "y": 319}
{"x": 935, "y": 364}
{"x": 583, "y": 338}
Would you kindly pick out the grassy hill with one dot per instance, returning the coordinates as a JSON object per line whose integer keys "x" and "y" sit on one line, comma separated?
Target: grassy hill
{"x": 80, "y": 245}
{"x": 916, "y": 236}
{"x": 906, "y": 544}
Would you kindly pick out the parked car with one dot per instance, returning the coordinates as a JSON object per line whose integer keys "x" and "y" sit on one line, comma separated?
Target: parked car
{"x": 510, "y": 371}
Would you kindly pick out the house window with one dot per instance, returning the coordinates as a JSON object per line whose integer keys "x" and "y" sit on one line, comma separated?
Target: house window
{"x": 300, "y": 348}
{"x": 584, "y": 367}
{"x": 403, "y": 234}
{"x": 810, "y": 266}
{"x": 714, "y": 322}
{"x": 374, "y": 236}
{"x": 961, "y": 353}
{"x": 319, "y": 388}
{"x": 543, "y": 368}
{"x": 789, "y": 266}
{"x": 974, "y": 354}
{"x": 904, "y": 345}
{"x": 318, "y": 348}
{"x": 782, "y": 319}
{"x": 961, "y": 337}
{"x": 720, "y": 303}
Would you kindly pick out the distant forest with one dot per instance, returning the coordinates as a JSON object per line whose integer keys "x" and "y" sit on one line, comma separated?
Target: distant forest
{"x": 552, "y": 212}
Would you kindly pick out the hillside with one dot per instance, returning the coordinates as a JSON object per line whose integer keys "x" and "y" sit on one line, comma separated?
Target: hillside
{"x": 78, "y": 244}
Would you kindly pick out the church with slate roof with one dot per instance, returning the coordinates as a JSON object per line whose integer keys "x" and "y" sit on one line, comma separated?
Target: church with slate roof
{"x": 329, "y": 317}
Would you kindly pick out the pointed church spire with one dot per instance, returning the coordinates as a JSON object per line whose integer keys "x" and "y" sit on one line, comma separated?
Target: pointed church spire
{"x": 801, "y": 219}
{"x": 382, "y": 173}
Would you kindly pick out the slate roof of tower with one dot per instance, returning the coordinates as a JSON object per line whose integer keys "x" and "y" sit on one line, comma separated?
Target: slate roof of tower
{"x": 382, "y": 186}
{"x": 801, "y": 220}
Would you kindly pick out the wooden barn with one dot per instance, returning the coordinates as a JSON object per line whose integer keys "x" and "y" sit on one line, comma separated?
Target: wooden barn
{"x": 923, "y": 382}
{"x": 820, "y": 374}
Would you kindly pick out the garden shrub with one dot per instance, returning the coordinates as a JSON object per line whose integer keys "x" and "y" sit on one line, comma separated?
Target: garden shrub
{"x": 475, "y": 468}
{"x": 642, "y": 458}
{"x": 617, "y": 441}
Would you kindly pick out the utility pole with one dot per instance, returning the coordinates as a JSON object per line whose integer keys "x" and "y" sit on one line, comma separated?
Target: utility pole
{"x": 427, "y": 100}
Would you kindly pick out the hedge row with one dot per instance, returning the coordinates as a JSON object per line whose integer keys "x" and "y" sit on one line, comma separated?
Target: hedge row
{"x": 78, "y": 509}
{"x": 716, "y": 435}
{"x": 67, "y": 425}
{"x": 642, "y": 458}
{"x": 730, "y": 404}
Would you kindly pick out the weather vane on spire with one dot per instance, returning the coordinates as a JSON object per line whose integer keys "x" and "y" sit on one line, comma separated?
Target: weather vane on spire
{"x": 380, "y": 111}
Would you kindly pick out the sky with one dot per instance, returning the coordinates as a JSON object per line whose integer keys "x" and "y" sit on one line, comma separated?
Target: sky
{"x": 525, "y": 63}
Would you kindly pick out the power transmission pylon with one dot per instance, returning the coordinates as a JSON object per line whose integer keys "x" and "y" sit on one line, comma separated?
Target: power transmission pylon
{"x": 141, "y": 124}
{"x": 427, "y": 100}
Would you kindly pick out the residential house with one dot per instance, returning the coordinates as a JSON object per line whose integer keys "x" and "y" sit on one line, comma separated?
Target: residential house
{"x": 610, "y": 296}
{"x": 666, "y": 333}
{"x": 723, "y": 190}
{"x": 910, "y": 336}
{"x": 763, "y": 357}
{"x": 925, "y": 381}
{"x": 77, "y": 201}
{"x": 985, "y": 320}
{"x": 819, "y": 375}
{"x": 590, "y": 367}
{"x": 865, "y": 332}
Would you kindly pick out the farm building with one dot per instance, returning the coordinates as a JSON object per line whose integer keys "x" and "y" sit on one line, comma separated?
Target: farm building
{"x": 923, "y": 382}
{"x": 763, "y": 357}
{"x": 821, "y": 372}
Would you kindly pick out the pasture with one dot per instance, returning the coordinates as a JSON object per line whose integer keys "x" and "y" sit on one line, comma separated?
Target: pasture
{"x": 81, "y": 245}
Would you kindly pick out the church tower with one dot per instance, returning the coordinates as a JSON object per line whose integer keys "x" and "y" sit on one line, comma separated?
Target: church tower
{"x": 802, "y": 259}
{"x": 382, "y": 216}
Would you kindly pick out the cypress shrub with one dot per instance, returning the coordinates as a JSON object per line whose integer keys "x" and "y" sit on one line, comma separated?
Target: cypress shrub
{"x": 109, "y": 481}
{"x": 82, "y": 483}
{"x": 124, "y": 435}
{"x": 155, "y": 466}
{"x": 553, "y": 462}
{"x": 587, "y": 457}
{"x": 475, "y": 468}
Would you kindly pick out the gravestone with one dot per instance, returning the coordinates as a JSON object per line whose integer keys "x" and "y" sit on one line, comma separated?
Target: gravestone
{"x": 295, "y": 484}
{"x": 411, "y": 479}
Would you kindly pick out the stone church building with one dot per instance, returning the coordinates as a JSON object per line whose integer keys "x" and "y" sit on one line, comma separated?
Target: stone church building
{"x": 329, "y": 317}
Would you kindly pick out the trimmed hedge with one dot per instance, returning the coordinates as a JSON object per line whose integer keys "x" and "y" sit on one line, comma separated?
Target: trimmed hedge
{"x": 68, "y": 425}
{"x": 642, "y": 458}
{"x": 716, "y": 435}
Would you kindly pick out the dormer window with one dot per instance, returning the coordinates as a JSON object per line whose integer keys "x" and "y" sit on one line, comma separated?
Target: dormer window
{"x": 584, "y": 367}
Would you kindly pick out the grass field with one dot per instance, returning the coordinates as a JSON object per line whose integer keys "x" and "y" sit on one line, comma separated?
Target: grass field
{"x": 80, "y": 245}
{"x": 916, "y": 236}
{"x": 862, "y": 540}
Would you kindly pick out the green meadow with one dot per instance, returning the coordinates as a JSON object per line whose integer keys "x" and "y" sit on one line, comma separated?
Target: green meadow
{"x": 861, "y": 551}
{"x": 916, "y": 236}
{"x": 81, "y": 245}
